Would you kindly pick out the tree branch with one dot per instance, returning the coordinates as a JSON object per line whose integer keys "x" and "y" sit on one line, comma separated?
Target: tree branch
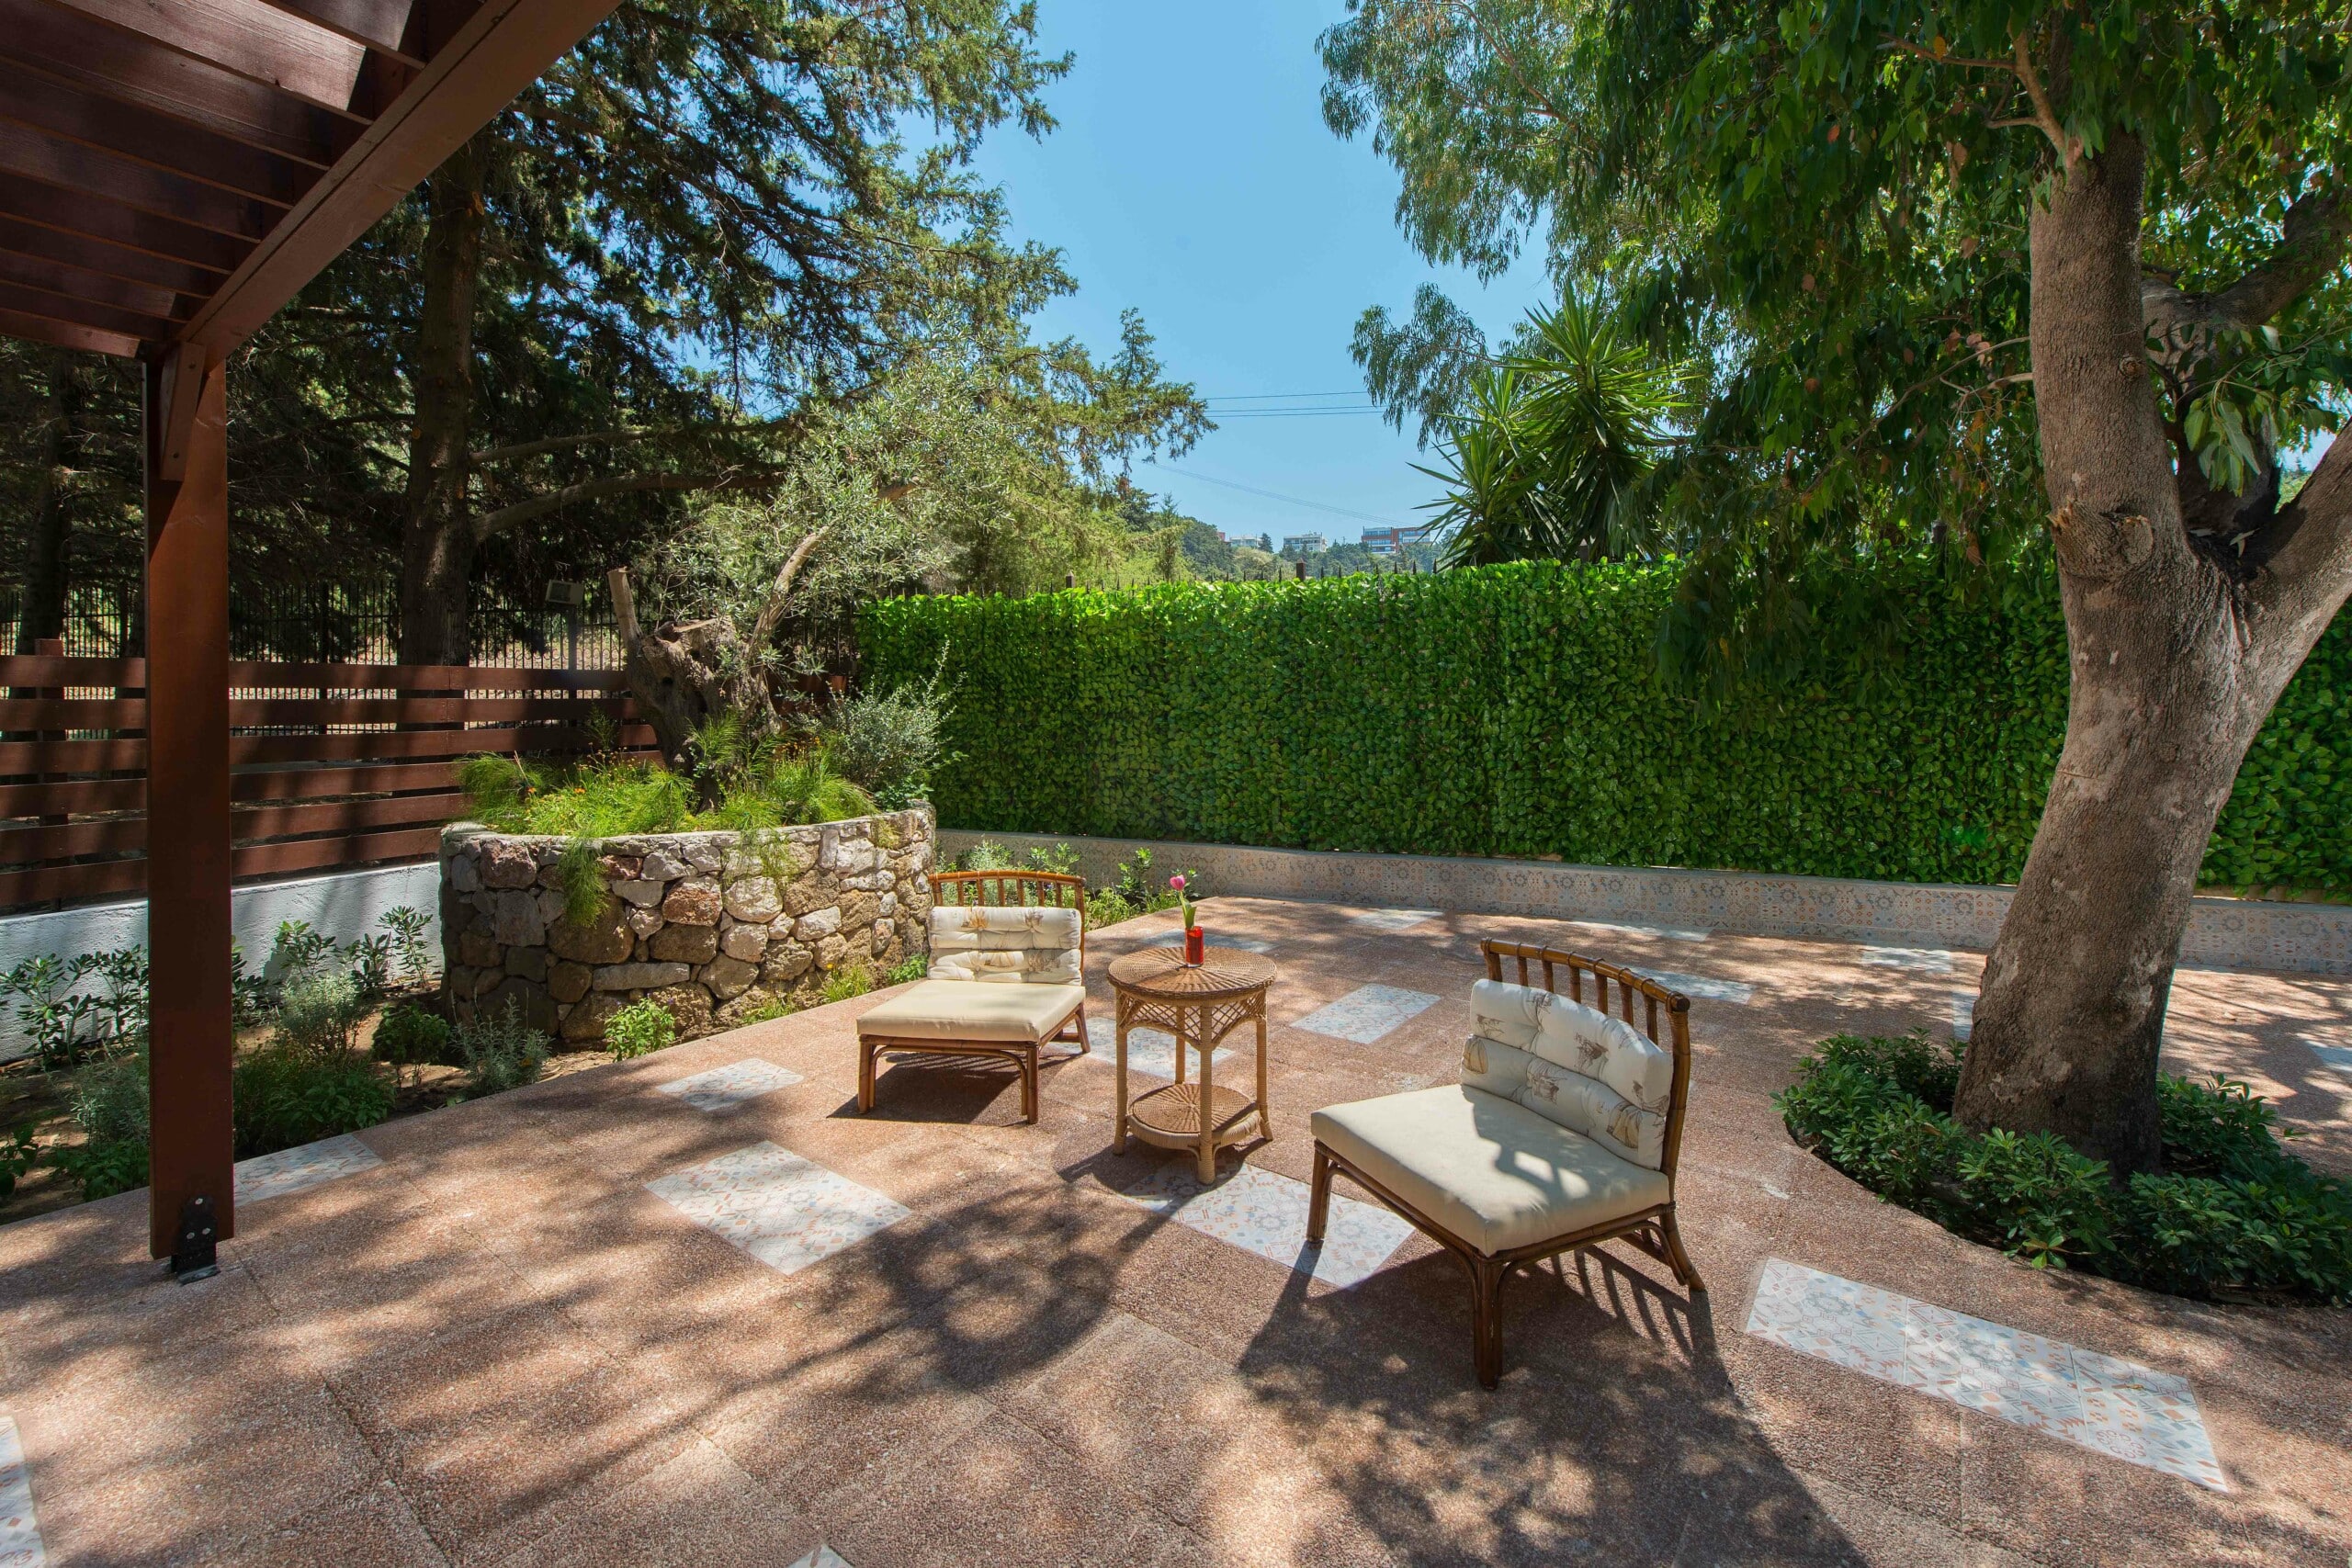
{"x": 780, "y": 590}
{"x": 506, "y": 517}
{"x": 2312, "y": 244}
{"x": 2302, "y": 557}
{"x": 560, "y": 444}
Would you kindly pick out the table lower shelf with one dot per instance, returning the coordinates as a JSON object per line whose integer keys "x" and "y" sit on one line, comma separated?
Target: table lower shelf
{"x": 1173, "y": 1113}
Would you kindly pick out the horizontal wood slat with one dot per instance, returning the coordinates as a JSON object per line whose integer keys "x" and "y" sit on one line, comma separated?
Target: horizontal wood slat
{"x": 72, "y": 755}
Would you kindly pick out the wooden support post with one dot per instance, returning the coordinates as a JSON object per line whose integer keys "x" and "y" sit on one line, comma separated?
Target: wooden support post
{"x": 187, "y": 790}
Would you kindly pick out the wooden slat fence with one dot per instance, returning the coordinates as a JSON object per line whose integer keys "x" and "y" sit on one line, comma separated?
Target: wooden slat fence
{"x": 331, "y": 765}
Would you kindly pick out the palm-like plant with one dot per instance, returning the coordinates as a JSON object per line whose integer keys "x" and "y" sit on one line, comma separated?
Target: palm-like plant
{"x": 1547, "y": 459}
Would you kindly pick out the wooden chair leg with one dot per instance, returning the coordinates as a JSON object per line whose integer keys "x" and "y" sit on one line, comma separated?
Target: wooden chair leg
{"x": 1683, "y": 1269}
{"x": 1029, "y": 1084}
{"x": 1084, "y": 1045}
{"x": 866, "y": 1053}
{"x": 1319, "y": 1204}
{"x": 1487, "y": 1319}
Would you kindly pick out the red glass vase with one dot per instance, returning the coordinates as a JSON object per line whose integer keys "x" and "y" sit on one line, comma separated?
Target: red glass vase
{"x": 1195, "y": 946}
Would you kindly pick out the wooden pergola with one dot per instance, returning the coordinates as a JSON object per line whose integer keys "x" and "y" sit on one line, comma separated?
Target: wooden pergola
{"x": 171, "y": 173}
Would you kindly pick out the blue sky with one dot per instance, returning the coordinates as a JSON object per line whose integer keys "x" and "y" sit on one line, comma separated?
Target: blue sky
{"x": 1192, "y": 177}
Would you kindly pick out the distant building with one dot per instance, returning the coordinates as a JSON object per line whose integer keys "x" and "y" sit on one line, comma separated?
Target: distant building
{"x": 1390, "y": 541}
{"x": 1305, "y": 544}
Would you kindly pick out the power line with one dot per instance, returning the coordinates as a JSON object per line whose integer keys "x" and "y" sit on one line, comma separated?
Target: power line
{"x": 1278, "y": 397}
{"x": 1292, "y": 499}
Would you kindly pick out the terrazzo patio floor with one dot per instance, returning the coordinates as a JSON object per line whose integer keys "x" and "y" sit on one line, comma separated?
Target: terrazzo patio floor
{"x": 691, "y": 1309}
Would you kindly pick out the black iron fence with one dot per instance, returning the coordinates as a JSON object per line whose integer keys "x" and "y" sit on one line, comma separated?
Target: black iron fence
{"x": 330, "y": 622}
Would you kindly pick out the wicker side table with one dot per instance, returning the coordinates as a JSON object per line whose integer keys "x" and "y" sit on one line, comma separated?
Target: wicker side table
{"x": 1200, "y": 1007}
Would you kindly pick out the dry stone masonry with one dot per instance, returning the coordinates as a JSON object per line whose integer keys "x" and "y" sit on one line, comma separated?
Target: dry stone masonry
{"x": 713, "y": 926}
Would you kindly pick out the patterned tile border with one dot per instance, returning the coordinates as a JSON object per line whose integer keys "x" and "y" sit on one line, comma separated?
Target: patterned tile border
{"x": 1264, "y": 1212}
{"x": 1217, "y": 938}
{"x": 737, "y": 1083}
{"x": 1920, "y": 960}
{"x": 1738, "y": 992}
{"x": 2227, "y": 933}
{"x": 823, "y": 1557}
{"x": 293, "y": 1170}
{"x": 20, "y": 1544}
{"x": 1152, "y": 1052}
{"x": 1963, "y": 1013}
{"x": 1393, "y": 920}
{"x": 1671, "y": 933}
{"x": 1367, "y": 1013}
{"x": 786, "y": 1210}
{"x": 2331, "y": 1056}
{"x": 2122, "y": 1409}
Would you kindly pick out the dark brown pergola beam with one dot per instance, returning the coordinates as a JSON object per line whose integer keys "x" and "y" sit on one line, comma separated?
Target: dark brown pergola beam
{"x": 380, "y": 24}
{"x": 31, "y": 272}
{"x": 59, "y": 110}
{"x": 141, "y": 185}
{"x": 96, "y": 219}
{"x": 502, "y": 49}
{"x": 255, "y": 41}
{"x": 64, "y": 335}
{"x": 44, "y": 305}
{"x": 101, "y": 259}
{"x": 127, "y": 68}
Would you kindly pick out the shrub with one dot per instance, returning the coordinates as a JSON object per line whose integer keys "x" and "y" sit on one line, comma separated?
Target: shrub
{"x": 849, "y": 980}
{"x": 1522, "y": 710}
{"x": 888, "y": 742}
{"x": 604, "y": 796}
{"x": 285, "y": 1095}
{"x": 2233, "y": 1212}
{"x": 18, "y": 1155}
{"x": 110, "y": 1103}
{"x": 405, "y": 927}
{"x": 912, "y": 967}
{"x": 640, "y": 1029}
{"x": 320, "y": 1015}
{"x": 409, "y": 1036}
{"x": 101, "y": 1170}
{"x": 768, "y": 1011}
{"x": 501, "y": 1052}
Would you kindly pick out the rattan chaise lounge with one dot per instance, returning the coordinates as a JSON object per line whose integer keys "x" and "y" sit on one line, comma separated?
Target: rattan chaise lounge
{"x": 1008, "y": 957}
{"x": 1562, "y": 1132}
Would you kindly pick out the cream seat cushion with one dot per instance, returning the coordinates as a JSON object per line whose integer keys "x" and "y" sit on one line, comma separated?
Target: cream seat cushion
{"x": 1490, "y": 1170}
{"x": 964, "y": 1010}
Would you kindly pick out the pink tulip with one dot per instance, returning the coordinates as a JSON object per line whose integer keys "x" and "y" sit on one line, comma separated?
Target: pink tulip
{"x": 1177, "y": 882}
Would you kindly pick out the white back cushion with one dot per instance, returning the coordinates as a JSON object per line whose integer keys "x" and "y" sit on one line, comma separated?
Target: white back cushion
{"x": 1590, "y": 1073}
{"x": 1007, "y": 944}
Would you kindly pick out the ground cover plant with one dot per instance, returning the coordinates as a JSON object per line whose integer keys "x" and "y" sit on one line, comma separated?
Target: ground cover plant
{"x": 640, "y": 1029}
{"x": 2231, "y": 1213}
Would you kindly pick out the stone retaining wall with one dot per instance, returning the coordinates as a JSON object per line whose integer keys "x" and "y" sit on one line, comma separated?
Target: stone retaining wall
{"x": 713, "y": 926}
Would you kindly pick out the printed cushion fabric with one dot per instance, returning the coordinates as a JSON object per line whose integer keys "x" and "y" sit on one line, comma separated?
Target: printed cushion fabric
{"x": 1488, "y": 1168}
{"x": 952, "y": 1009}
{"x": 1628, "y": 1078}
{"x": 1036, "y": 945}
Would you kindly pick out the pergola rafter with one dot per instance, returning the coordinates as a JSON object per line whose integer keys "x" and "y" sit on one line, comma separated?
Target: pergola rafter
{"x": 170, "y": 173}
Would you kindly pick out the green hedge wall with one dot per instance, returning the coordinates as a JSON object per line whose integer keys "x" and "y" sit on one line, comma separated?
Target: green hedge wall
{"x": 1517, "y": 710}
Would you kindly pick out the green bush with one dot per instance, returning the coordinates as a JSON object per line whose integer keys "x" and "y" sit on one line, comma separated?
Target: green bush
{"x": 284, "y": 1095}
{"x": 607, "y": 797}
{"x": 1518, "y": 710}
{"x": 18, "y": 1155}
{"x": 110, "y": 1103}
{"x": 103, "y": 1170}
{"x": 912, "y": 967}
{"x": 640, "y": 1029}
{"x": 849, "y": 980}
{"x": 319, "y": 1015}
{"x": 888, "y": 742}
{"x": 2231, "y": 1212}
{"x": 500, "y": 1052}
{"x": 409, "y": 1036}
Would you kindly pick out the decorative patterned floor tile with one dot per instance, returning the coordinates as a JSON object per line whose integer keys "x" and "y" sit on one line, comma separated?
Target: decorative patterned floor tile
{"x": 737, "y": 1083}
{"x": 1219, "y": 939}
{"x": 1393, "y": 920}
{"x": 1701, "y": 986}
{"x": 20, "y": 1534}
{"x": 784, "y": 1209}
{"x": 1152, "y": 1052}
{"x": 2332, "y": 1056}
{"x": 823, "y": 1557}
{"x": 2080, "y": 1396}
{"x": 292, "y": 1170}
{"x": 1265, "y": 1212}
{"x": 1367, "y": 1013}
{"x": 1924, "y": 960}
{"x": 1963, "y": 1013}
{"x": 1672, "y": 933}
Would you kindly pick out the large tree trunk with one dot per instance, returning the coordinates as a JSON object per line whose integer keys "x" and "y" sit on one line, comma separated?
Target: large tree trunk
{"x": 682, "y": 677}
{"x": 437, "y": 534}
{"x": 2175, "y": 662}
{"x": 49, "y": 570}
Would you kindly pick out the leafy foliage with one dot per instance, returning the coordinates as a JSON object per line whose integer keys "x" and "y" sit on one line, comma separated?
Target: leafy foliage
{"x": 409, "y": 1036}
{"x": 849, "y": 980}
{"x": 18, "y": 1156}
{"x": 2234, "y": 1212}
{"x": 500, "y": 1052}
{"x": 284, "y": 1095}
{"x": 617, "y": 796}
{"x": 640, "y": 1029}
{"x": 889, "y": 742}
{"x": 1516, "y": 710}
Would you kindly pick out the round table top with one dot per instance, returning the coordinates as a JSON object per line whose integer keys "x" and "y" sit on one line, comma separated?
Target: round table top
{"x": 1161, "y": 972}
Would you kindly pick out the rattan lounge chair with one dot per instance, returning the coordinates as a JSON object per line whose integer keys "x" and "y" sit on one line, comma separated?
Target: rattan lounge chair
{"x": 1007, "y": 958}
{"x": 1562, "y": 1132}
